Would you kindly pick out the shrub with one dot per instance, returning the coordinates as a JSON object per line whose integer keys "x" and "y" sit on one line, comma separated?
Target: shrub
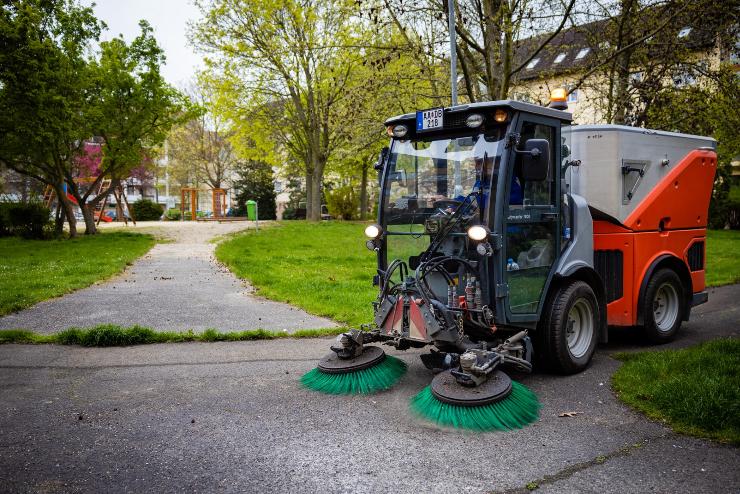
{"x": 4, "y": 220}
{"x": 28, "y": 220}
{"x": 733, "y": 215}
{"x": 146, "y": 210}
{"x": 343, "y": 203}
{"x": 173, "y": 214}
{"x": 289, "y": 214}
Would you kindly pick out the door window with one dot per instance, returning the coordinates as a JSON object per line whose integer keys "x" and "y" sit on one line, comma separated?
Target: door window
{"x": 532, "y": 227}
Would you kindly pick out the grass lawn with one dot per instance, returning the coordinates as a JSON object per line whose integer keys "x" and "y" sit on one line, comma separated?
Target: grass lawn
{"x": 104, "y": 335}
{"x": 723, "y": 257}
{"x": 35, "y": 270}
{"x": 323, "y": 268}
{"x": 694, "y": 390}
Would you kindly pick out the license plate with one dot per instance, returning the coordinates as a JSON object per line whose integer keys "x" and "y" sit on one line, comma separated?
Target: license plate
{"x": 430, "y": 119}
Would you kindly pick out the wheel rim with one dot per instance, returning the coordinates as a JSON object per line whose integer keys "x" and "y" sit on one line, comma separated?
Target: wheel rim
{"x": 580, "y": 328}
{"x": 665, "y": 307}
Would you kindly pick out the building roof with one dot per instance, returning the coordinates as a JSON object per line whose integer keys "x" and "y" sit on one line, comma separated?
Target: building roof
{"x": 561, "y": 55}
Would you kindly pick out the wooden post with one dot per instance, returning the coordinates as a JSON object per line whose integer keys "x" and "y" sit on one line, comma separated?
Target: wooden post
{"x": 193, "y": 205}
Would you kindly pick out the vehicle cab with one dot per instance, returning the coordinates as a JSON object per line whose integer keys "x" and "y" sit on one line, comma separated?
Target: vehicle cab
{"x": 479, "y": 182}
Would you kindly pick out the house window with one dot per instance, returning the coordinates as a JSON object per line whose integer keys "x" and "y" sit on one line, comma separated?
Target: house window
{"x": 684, "y": 32}
{"x": 683, "y": 79}
{"x": 735, "y": 53}
{"x": 559, "y": 58}
{"x": 533, "y": 63}
{"x": 573, "y": 96}
{"x": 582, "y": 53}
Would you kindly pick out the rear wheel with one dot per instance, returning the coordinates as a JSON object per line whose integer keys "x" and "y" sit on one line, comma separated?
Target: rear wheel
{"x": 663, "y": 306}
{"x": 569, "y": 330}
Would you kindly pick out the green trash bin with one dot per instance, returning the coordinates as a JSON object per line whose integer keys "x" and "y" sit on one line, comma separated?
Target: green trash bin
{"x": 252, "y": 210}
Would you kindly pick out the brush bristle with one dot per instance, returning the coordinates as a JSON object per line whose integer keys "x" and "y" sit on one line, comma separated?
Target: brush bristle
{"x": 515, "y": 411}
{"x": 371, "y": 380}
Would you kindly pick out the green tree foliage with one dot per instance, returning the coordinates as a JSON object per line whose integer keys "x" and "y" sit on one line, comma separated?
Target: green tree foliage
{"x": 43, "y": 88}
{"x": 343, "y": 203}
{"x": 255, "y": 183}
{"x": 308, "y": 84}
{"x": 708, "y": 109}
{"x": 54, "y": 97}
{"x": 283, "y": 70}
{"x": 200, "y": 148}
{"x": 639, "y": 50}
{"x": 490, "y": 50}
{"x": 130, "y": 106}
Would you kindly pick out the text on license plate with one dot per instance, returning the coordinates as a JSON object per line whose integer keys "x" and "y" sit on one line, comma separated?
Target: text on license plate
{"x": 429, "y": 119}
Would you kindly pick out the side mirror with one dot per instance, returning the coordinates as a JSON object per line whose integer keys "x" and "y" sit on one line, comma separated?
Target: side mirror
{"x": 535, "y": 160}
{"x": 381, "y": 159}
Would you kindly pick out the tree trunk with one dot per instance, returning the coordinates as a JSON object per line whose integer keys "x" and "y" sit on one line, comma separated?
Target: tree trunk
{"x": 89, "y": 215}
{"x": 58, "y": 221}
{"x": 623, "y": 61}
{"x": 309, "y": 194}
{"x": 68, "y": 210}
{"x": 363, "y": 193}
{"x": 316, "y": 180}
{"x": 492, "y": 46}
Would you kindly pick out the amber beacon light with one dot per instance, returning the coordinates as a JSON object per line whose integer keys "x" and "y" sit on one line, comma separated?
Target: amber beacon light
{"x": 558, "y": 98}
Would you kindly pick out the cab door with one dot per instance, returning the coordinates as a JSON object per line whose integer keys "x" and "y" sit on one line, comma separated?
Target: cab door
{"x": 531, "y": 223}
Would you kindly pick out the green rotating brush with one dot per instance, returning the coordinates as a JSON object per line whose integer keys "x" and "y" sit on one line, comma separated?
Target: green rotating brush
{"x": 354, "y": 369}
{"x": 497, "y": 404}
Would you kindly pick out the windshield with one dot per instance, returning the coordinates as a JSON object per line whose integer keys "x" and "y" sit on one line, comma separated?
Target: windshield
{"x": 426, "y": 176}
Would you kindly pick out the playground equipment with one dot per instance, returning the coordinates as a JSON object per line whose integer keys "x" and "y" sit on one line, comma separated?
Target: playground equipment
{"x": 99, "y": 213}
{"x": 121, "y": 199}
{"x": 218, "y": 203}
{"x": 192, "y": 202}
{"x": 188, "y": 202}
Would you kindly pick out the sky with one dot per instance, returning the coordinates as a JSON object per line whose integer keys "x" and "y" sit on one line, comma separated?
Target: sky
{"x": 169, "y": 19}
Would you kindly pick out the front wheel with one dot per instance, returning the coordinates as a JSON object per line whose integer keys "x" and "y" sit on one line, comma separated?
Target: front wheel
{"x": 569, "y": 330}
{"x": 663, "y": 306}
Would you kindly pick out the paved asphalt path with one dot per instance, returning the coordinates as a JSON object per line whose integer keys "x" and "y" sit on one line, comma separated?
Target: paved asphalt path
{"x": 176, "y": 286}
{"x": 231, "y": 417}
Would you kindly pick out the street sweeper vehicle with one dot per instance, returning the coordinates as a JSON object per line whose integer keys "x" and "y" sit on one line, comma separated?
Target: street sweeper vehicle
{"x": 507, "y": 238}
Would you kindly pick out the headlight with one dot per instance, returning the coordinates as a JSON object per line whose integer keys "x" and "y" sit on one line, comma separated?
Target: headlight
{"x": 474, "y": 120}
{"x": 372, "y": 231}
{"x": 478, "y": 232}
{"x": 400, "y": 130}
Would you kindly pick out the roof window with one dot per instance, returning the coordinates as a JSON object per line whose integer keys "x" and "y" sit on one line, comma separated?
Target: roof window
{"x": 582, "y": 53}
{"x": 559, "y": 58}
{"x": 533, "y": 63}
